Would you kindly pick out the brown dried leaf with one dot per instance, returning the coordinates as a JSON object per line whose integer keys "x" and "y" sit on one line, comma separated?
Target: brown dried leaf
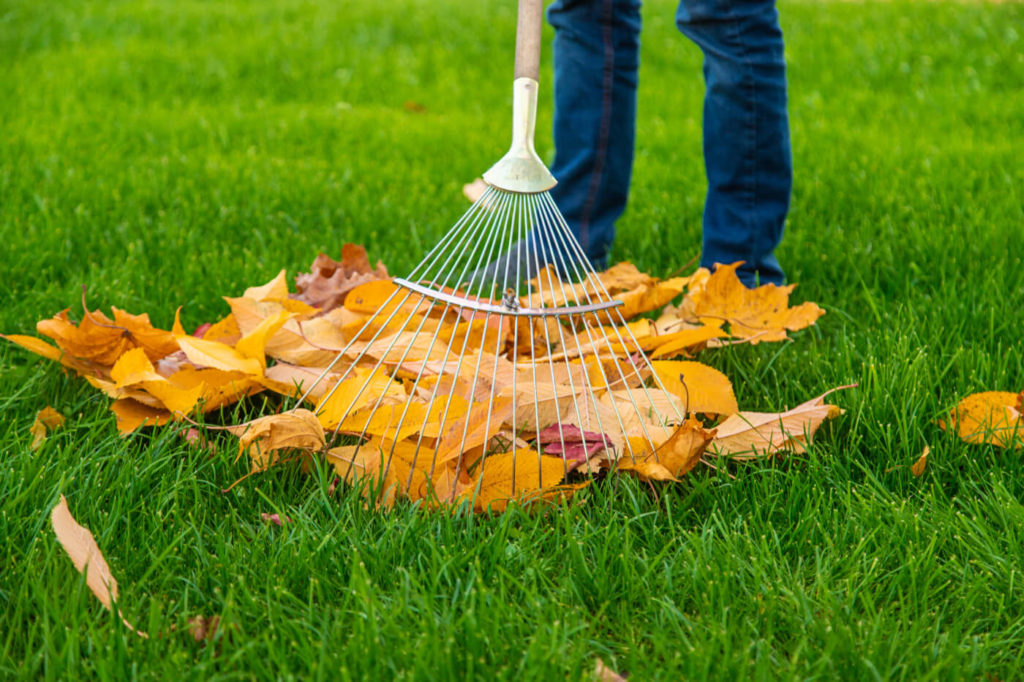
{"x": 329, "y": 282}
{"x": 85, "y": 554}
{"x": 748, "y": 435}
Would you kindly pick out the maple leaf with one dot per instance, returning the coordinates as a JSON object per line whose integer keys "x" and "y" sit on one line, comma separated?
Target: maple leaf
{"x": 329, "y": 282}
{"x": 992, "y": 417}
{"x": 761, "y": 314}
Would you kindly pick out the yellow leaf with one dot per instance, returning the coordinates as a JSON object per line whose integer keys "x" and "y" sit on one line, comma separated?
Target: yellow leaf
{"x": 522, "y": 475}
{"x": 761, "y": 314}
{"x": 921, "y": 463}
{"x": 203, "y": 353}
{"x": 253, "y": 345}
{"x": 47, "y": 419}
{"x": 134, "y": 370}
{"x": 298, "y": 430}
{"x": 701, "y": 388}
{"x": 992, "y": 417}
{"x": 362, "y": 387}
{"x": 131, "y": 414}
{"x": 85, "y": 554}
{"x": 685, "y": 340}
{"x": 275, "y": 289}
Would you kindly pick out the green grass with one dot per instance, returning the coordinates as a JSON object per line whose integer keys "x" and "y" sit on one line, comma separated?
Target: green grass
{"x": 169, "y": 153}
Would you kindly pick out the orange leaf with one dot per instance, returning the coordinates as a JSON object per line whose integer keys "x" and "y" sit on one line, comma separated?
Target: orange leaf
{"x": 761, "y": 314}
{"x": 993, "y": 417}
{"x": 522, "y": 475}
{"x": 274, "y": 290}
{"x": 921, "y": 463}
{"x": 131, "y": 414}
{"x": 298, "y": 429}
{"x": 85, "y": 554}
{"x": 701, "y": 388}
{"x": 675, "y": 457}
{"x": 47, "y": 419}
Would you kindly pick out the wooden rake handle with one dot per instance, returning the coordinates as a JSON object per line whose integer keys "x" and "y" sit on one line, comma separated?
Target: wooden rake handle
{"x": 531, "y": 17}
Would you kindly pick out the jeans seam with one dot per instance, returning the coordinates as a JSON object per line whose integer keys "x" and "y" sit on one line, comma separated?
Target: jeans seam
{"x": 607, "y": 83}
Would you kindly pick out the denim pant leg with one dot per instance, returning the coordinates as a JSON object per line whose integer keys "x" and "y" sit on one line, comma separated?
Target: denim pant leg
{"x": 596, "y": 58}
{"x": 746, "y": 132}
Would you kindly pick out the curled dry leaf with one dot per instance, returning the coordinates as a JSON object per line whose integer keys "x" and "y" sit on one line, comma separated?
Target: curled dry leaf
{"x": 992, "y": 417}
{"x": 295, "y": 430}
{"x": 329, "y": 281}
{"x": 602, "y": 673}
{"x": 203, "y": 628}
{"x": 48, "y": 419}
{"x": 675, "y": 457}
{"x": 921, "y": 463}
{"x": 749, "y": 435}
{"x": 85, "y": 554}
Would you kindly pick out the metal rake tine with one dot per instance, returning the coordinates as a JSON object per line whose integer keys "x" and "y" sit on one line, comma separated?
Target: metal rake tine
{"x": 398, "y": 365}
{"x": 573, "y": 244}
{"x": 468, "y": 221}
{"x": 604, "y": 377}
{"x": 494, "y": 374}
{"x": 378, "y": 364}
{"x": 588, "y": 385}
{"x": 491, "y": 239}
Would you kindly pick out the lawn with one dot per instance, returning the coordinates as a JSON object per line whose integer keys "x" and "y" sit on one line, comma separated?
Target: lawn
{"x": 165, "y": 154}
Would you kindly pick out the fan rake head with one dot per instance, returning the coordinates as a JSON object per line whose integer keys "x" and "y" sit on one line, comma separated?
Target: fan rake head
{"x": 502, "y": 349}
{"x": 500, "y": 364}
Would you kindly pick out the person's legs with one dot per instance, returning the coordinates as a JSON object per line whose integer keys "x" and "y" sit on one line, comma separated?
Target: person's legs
{"x": 746, "y": 132}
{"x": 596, "y": 58}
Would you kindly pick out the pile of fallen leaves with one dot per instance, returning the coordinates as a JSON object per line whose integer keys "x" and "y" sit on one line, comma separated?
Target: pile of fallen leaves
{"x": 280, "y": 341}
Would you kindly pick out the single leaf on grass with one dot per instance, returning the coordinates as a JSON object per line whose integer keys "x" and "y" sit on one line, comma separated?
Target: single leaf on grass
{"x": 921, "y": 463}
{"x": 761, "y": 314}
{"x": 203, "y": 627}
{"x": 275, "y": 519}
{"x": 85, "y": 554}
{"x": 47, "y": 419}
{"x": 295, "y": 430}
{"x": 701, "y": 388}
{"x": 603, "y": 673}
{"x": 992, "y": 417}
{"x": 749, "y": 435}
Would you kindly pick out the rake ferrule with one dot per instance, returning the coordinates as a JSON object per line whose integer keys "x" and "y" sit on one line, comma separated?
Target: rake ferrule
{"x": 521, "y": 170}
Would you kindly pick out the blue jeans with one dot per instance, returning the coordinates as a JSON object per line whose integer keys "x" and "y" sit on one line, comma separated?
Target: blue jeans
{"x": 746, "y": 128}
